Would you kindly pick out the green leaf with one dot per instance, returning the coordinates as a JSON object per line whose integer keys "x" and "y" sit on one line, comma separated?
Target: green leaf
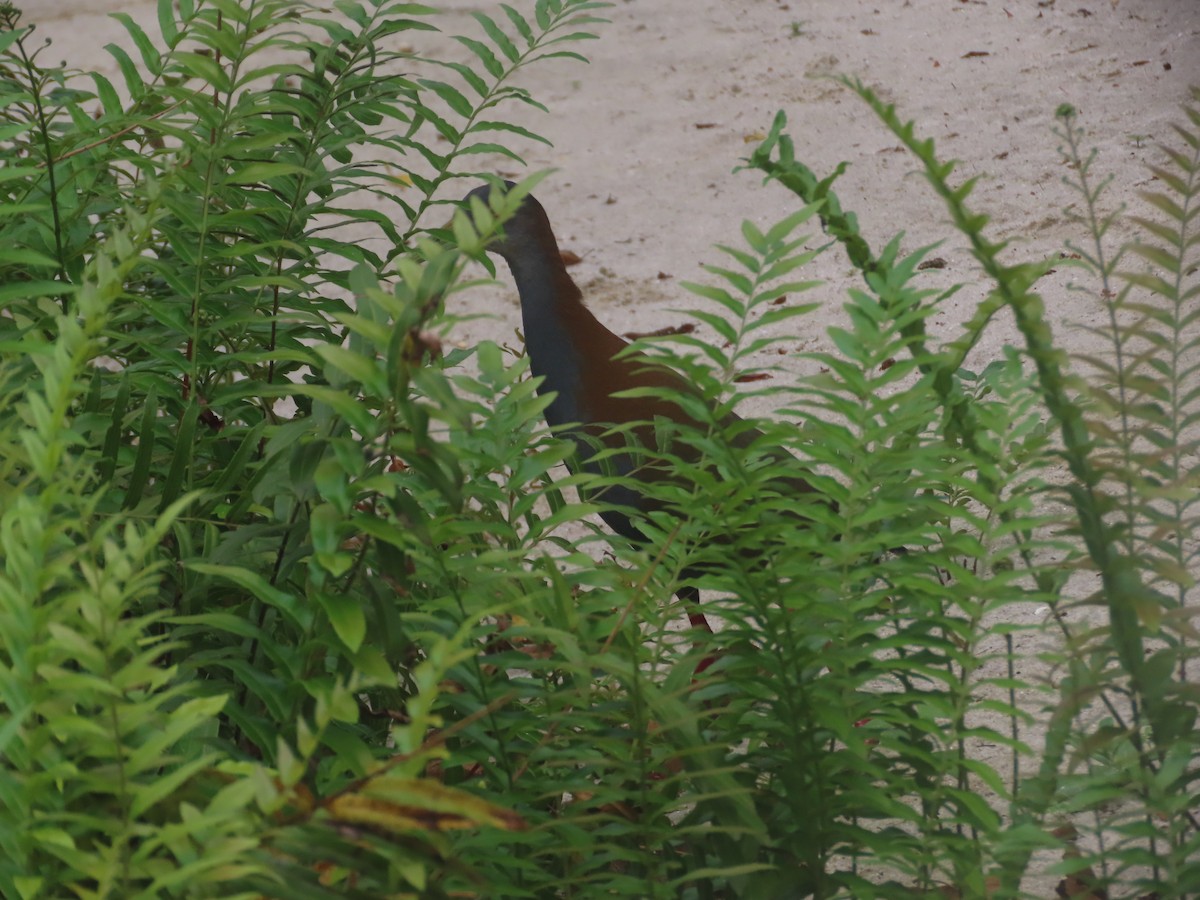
{"x": 28, "y": 290}
{"x": 326, "y": 528}
{"x": 454, "y": 99}
{"x": 501, "y": 40}
{"x": 166, "y": 22}
{"x": 485, "y": 55}
{"x": 182, "y": 458}
{"x": 519, "y": 23}
{"x": 489, "y": 125}
{"x": 154, "y": 792}
{"x": 150, "y": 55}
{"x": 140, "y": 475}
{"x": 10, "y": 37}
{"x": 23, "y": 257}
{"x": 783, "y": 228}
{"x": 133, "y": 83}
{"x": 346, "y": 616}
{"x": 356, "y": 367}
{"x": 490, "y": 149}
{"x": 491, "y": 361}
{"x": 109, "y": 98}
{"x": 259, "y": 172}
{"x": 202, "y": 67}
{"x": 754, "y": 237}
{"x": 258, "y": 586}
{"x": 234, "y": 471}
{"x": 10, "y": 172}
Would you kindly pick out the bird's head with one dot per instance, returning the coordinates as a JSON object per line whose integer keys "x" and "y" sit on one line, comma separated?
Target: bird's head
{"x": 525, "y": 231}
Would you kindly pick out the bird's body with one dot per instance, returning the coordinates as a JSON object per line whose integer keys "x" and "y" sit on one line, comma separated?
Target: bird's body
{"x": 584, "y": 364}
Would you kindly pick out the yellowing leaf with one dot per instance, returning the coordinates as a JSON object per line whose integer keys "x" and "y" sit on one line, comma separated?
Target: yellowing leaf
{"x": 396, "y": 805}
{"x": 403, "y": 179}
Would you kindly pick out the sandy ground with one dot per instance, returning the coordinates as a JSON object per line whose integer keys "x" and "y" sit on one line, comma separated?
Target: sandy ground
{"x": 645, "y": 138}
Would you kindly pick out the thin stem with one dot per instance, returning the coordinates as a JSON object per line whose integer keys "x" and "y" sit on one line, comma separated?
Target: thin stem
{"x": 35, "y": 89}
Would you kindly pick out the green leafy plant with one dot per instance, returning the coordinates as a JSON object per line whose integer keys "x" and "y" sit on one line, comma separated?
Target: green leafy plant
{"x": 205, "y": 647}
{"x": 297, "y": 602}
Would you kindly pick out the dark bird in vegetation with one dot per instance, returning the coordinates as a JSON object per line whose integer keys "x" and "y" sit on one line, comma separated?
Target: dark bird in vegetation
{"x": 585, "y": 365}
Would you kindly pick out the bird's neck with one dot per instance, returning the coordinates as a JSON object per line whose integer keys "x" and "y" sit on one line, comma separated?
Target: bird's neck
{"x": 547, "y": 291}
{"x": 557, "y": 325}
{"x": 561, "y": 334}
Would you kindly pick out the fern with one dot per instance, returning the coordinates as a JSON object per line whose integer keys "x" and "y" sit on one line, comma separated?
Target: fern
{"x": 1142, "y": 380}
{"x": 96, "y": 725}
{"x": 296, "y": 603}
{"x": 231, "y": 369}
{"x": 1142, "y": 399}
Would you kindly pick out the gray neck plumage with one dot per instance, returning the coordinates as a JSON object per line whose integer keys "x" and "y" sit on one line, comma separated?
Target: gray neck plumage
{"x": 549, "y": 301}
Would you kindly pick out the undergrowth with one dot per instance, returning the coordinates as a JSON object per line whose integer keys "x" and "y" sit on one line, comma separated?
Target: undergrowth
{"x": 294, "y": 602}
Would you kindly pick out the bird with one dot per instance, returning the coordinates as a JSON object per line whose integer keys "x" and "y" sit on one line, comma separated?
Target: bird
{"x": 586, "y": 367}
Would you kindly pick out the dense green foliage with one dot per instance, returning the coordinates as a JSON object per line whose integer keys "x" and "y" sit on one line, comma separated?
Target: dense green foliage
{"x": 292, "y": 604}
